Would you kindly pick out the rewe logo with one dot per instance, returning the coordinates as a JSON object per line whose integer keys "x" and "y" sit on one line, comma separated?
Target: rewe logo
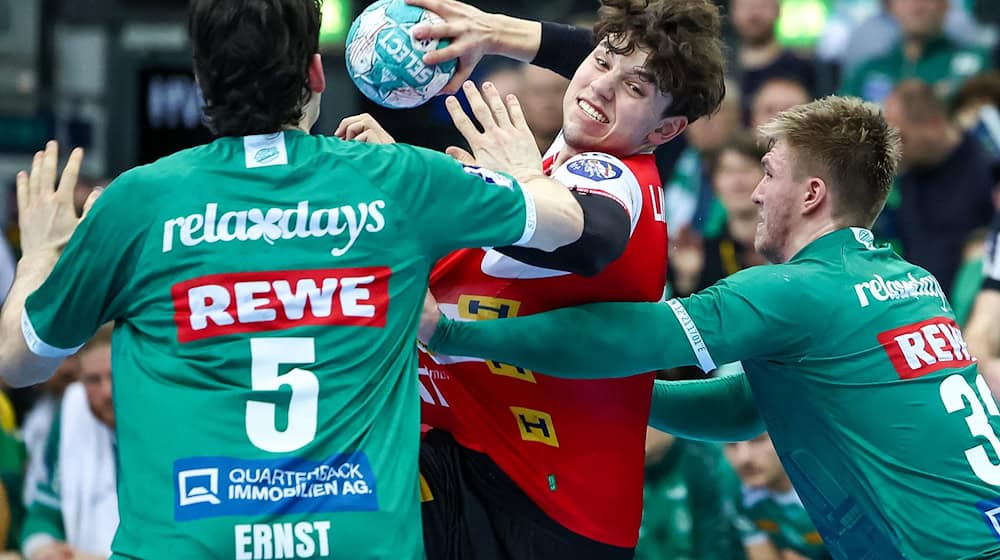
{"x": 275, "y": 224}
{"x": 925, "y": 347}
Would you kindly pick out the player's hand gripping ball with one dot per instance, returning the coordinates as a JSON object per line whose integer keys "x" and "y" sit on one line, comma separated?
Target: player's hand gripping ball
{"x": 386, "y": 62}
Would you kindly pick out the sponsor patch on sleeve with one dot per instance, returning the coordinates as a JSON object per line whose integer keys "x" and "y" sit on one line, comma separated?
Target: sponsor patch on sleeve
{"x": 225, "y": 486}
{"x": 594, "y": 169}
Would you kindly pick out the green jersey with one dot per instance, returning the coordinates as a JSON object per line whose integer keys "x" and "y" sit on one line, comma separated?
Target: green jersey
{"x": 682, "y": 507}
{"x": 779, "y": 517}
{"x": 266, "y": 292}
{"x": 943, "y": 64}
{"x": 875, "y": 406}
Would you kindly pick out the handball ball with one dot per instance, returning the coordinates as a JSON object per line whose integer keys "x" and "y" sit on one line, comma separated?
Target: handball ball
{"x": 386, "y": 62}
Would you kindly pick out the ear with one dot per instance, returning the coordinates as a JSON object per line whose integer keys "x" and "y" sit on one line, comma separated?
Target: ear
{"x": 817, "y": 196}
{"x": 668, "y": 129}
{"x": 317, "y": 78}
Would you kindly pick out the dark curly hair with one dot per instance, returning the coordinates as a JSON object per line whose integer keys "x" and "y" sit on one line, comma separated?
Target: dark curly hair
{"x": 252, "y": 60}
{"x": 687, "y": 57}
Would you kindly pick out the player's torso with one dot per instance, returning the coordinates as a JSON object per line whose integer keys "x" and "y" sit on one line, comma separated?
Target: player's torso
{"x": 885, "y": 415}
{"x": 264, "y": 394}
{"x": 553, "y": 437}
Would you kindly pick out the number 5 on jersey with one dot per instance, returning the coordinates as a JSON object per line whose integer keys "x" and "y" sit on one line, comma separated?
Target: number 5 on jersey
{"x": 267, "y": 355}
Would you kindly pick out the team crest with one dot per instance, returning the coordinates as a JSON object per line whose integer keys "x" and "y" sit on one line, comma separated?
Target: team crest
{"x": 595, "y": 169}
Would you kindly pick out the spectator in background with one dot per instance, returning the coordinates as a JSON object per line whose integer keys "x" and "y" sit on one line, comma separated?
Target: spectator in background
{"x": 773, "y": 97}
{"x": 39, "y": 420}
{"x": 758, "y": 56}
{"x": 770, "y": 504}
{"x": 7, "y": 265}
{"x": 12, "y": 460}
{"x": 541, "y": 97}
{"x": 860, "y": 30}
{"x": 507, "y": 78}
{"x": 983, "y": 331}
{"x": 735, "y": 172}
{"x": 922, "y": 51}
{"x": 686, "y": 483}
{"x": 75, "y": 513}
{"x": 946, "y": 186}
{"x": 689, "y": 200}
{"x": 976, "y": 108}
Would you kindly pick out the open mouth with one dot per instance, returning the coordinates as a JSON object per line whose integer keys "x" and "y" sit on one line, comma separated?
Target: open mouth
{"x": 592, "y": 112}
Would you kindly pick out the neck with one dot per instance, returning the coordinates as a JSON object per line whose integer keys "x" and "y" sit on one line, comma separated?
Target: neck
{"x": 564, "y": 154}
{"x": 757, "y": 56}
{"x": 808, "y": 233}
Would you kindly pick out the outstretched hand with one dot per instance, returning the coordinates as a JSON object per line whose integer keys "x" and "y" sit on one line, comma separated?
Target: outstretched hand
{"x": 506, "y": 143}
{"x": 46, "y": 214}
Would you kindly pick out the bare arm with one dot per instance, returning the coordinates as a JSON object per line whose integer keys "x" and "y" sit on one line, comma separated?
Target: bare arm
{"x": 47, "y": 219}
{"x": 983, "y": 336}
{"x": 506, "y": 144}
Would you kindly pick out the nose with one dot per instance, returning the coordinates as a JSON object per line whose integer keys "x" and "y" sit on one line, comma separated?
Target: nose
{"x": 604, "y": 86}
{"x": 755, "y": 196}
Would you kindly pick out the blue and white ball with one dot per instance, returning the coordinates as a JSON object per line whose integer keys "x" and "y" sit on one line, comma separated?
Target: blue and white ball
{"x": 386, "y": 62}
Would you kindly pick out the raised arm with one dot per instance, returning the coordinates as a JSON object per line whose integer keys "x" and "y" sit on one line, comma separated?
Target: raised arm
{"x": 47, "y": 219}
{"x": 475, "y": 33}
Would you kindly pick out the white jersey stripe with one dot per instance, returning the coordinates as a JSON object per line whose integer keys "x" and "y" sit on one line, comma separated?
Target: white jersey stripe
{"x": 705, "y": 361}
{"x": 38, "y": 346}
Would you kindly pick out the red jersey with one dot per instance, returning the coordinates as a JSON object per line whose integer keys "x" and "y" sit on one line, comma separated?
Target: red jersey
{"x": 575, "y": 447}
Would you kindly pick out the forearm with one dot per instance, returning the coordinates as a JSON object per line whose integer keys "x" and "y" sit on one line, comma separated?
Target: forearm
{"x": 591, "y": 341}
{"x": 561, "y": 48}
{"x": 558, "y": 216}
{"x": 20, "y": 367}
{"x": 515, "y": 38}
{"x": 715, "y": 409}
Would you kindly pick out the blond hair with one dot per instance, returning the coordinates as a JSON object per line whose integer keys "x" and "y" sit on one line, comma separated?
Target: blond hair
{"x": 847, "y": 143}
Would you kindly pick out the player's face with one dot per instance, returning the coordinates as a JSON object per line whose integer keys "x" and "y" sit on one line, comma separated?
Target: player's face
{"x": 95, "y": 374}
{"x": 612, "y": 105}
{"x": 777, "y": 196}
{"x": 756, "y": 462}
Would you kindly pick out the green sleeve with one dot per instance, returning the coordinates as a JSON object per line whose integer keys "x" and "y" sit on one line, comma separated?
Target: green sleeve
{"x": 718, "y": 409}
{"x": 451, "y": 206}
{"x": 90, "y": 284}
{"x": 44, "y": 515}
{"x": 751, "y": 314}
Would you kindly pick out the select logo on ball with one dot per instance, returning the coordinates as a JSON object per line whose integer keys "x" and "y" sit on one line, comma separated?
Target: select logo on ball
{"x": 386, "y": 62}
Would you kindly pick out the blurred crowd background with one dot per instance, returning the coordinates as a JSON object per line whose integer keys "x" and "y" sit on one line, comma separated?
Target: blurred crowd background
{"x": 113, "y": 76}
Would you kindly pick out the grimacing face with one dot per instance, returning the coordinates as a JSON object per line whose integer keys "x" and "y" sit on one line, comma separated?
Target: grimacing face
{"x": 612, "y": 105}
{"x": 777, "y": 195}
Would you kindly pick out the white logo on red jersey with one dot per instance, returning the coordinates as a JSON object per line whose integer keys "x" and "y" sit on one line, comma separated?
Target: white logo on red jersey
{"x": 265, "y": 301}
{"x": 275, "y": 224}
{"x": 925, "y": 347}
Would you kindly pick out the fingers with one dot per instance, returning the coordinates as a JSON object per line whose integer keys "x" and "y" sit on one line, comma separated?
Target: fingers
{"x": 462, "y": 121}
{"x": 91, "y": 199}
{"x": 462, "y": 74}
{"x": 479, "y": 107}
{"x": 35, "y": 177}
{"x": 496, "y": 104}
{"x": 70, "y": 175}
{"x": 23, "y": 196}
{"x": 50, "y": 167}
{"x": 438, "y": 30}
{"x": 460, "y": 155}
{"x": 516, "y": 113}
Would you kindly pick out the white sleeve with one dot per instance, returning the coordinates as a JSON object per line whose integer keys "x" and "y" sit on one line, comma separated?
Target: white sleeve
{"x": 605, "y": 175}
